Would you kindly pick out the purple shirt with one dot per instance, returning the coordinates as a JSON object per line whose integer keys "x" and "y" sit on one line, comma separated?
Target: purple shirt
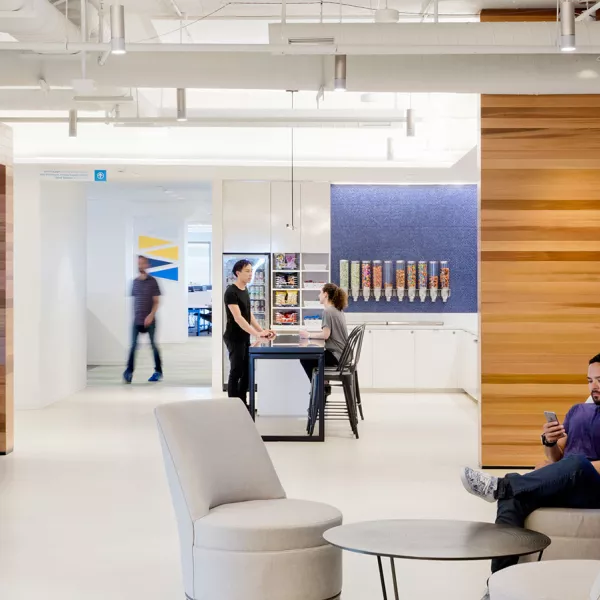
{"x": 143, "y": 292}
{"x": 582, "y": 425}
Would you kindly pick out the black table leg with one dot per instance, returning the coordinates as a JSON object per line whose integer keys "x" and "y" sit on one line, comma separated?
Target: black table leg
{"x": 394, "y": 579}
{"x": 252, "y": 386}
{"x": 540, "y": 556}
{"x": 382, "y": 577}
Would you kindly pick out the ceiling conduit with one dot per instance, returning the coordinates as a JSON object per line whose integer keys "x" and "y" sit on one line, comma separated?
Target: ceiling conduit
{"x": 35, "y": 21}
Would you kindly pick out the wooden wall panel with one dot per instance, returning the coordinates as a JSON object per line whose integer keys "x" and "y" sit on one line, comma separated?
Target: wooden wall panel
{"x": 540, "y": 251}
{"x": 6, "y": 292}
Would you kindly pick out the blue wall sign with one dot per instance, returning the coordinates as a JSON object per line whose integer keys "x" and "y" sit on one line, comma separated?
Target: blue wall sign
{"x": 100, "y": 175}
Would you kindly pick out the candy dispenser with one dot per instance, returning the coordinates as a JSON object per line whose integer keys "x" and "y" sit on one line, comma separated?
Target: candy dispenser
{"x": 400, "y": 279}
{"x": 377, "y": 279}
{"x": 366, "y": 279}
{"x": 422, "y": 280}
{"x": 434, "y": 279}
{"x": 344, "y": 274}
{"x": 445, "y": 280}
{"x": 388, "y": 279}
{"x": 355, "y": 279}
{"x": 411, "y": 280}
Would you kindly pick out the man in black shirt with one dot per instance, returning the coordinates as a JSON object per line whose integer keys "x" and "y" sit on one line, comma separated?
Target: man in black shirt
{"x": 146, "y": 293}
{"x": 241, "y": 324}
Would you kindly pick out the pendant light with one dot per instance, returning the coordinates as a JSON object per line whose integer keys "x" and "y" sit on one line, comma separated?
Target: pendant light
{"x": 567, "y": 26}
{"x": 339, "y": 81}
{"x": 181, "y": 105}
{"x": 117, "y": 29}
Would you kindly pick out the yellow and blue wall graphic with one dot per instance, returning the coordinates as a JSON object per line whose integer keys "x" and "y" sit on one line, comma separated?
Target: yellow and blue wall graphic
{"x": 163, "y": 256}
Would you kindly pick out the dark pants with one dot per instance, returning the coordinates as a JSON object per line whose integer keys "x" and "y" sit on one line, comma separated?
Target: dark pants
{"x": 151, "y": 331}
{"x": 308, "y": 364}
{"x": 239, "y": 361}
{"x": 572, "y": 482}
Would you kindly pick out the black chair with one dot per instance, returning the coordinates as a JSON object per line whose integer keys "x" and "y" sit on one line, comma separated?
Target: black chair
{"x": 345, "y": 374}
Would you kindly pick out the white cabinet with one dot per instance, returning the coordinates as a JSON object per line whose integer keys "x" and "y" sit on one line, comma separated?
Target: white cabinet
{"x": 284, "y": 239}
{"x": 422, "y": 359}
{"x": 393, "y": 359}
{"x": 316, "y": 217}
{"x": 437, "y": 359}
{"x": 470, "y": 365}
{"x": 246, "y": 226}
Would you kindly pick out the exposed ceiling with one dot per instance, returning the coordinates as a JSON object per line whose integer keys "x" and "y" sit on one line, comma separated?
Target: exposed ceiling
{"x": 236, "y": 59}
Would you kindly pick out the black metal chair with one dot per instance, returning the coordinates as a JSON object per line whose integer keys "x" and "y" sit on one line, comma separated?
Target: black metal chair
{"x": 346, "y": 375}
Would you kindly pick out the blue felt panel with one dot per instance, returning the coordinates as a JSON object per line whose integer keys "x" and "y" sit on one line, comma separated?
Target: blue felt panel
{"x": 408, "y": 222}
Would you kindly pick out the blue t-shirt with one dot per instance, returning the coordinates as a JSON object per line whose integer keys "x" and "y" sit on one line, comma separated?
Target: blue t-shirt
{"x": 582, "y": 425}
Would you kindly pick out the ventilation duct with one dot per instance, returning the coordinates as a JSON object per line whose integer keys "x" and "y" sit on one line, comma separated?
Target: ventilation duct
{"x": 35, "y": 20}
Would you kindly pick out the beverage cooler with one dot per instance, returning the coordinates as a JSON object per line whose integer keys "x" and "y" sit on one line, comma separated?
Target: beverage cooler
{"x": 259, "y": 290}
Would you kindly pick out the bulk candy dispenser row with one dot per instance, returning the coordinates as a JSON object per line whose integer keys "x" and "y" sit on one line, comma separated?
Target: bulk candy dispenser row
{"x": 404, "y": 278}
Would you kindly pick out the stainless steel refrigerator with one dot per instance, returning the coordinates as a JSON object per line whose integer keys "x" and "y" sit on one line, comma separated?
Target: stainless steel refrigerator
{"x": 259, "y": 290}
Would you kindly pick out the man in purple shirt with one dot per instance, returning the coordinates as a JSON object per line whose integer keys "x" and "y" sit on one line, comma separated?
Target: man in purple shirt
{"x": 570, "y": 479}
{"x": 146, "y": 295}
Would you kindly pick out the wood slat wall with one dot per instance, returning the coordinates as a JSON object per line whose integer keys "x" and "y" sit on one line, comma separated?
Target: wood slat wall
{"x": 540, "y": 257}
{"x": 6, "y": 292}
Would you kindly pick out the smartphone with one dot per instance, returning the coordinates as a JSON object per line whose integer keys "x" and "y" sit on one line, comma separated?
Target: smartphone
{"x": 550, "y": 416}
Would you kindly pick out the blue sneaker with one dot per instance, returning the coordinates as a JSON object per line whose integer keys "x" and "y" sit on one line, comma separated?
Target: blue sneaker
{"x": 127, "y": 376}
{"x": 156, "y": 377}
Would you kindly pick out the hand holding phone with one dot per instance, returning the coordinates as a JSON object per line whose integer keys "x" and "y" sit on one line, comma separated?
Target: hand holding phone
{"x": 553, "y": 430}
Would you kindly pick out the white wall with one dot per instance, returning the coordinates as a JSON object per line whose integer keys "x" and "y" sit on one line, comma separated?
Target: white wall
{"x": 50, "y": 289}
{"x": 114, "y": 224}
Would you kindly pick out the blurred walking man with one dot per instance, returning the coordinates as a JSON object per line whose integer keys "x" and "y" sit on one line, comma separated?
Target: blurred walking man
{"x": 146, "y": 293}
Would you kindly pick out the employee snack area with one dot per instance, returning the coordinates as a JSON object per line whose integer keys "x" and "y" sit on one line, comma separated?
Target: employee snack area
{"x": 405, "y": 254}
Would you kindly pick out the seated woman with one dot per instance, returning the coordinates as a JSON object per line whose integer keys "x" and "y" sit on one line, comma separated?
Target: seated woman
{"x": 334, "y": 329}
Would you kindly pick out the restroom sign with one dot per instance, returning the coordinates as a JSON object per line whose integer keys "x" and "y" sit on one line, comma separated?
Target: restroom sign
{"x": 100, "y": 175}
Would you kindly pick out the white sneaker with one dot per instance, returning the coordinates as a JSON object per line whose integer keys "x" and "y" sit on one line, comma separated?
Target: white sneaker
{"x": 479, "y": 484}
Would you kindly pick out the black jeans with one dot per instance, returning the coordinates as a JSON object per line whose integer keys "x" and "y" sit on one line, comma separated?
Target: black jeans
{"x": 572, "y": 482}
{"x": 308, "y": 364}
{"x": 151, "y": 331}
{"x": 239, "y": 360}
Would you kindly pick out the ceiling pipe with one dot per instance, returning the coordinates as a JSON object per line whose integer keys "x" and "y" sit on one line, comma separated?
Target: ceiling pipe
{"x": 588, "y": 12}
{"x": 250, "y": 118}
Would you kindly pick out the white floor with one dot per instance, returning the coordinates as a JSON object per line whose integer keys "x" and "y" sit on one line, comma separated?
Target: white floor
{"x": 85, "y": 511}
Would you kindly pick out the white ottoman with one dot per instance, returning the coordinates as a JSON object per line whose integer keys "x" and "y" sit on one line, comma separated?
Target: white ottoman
{"x": 550, "y": 580}
{"x": 575, "y": 533}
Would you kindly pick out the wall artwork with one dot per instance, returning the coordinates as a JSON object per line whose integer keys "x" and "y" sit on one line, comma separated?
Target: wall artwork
{"x": 394, "y": 247}
{"x": 163, "y": 256}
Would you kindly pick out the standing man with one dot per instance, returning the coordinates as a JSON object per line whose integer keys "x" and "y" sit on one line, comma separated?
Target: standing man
{"x": 145, "y": 292}
{"x": 241, "y": 324}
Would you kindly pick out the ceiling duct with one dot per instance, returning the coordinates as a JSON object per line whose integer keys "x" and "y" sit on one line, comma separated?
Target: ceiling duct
{"x": 35, "y": 21}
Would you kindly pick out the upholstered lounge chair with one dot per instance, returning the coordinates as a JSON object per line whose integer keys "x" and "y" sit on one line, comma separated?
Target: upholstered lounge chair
{"x": 240, "y": 537}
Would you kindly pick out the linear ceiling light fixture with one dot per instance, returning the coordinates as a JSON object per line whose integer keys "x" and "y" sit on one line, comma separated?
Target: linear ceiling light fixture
{"x": 181, "y": 105}
{"x": 339, "y": 82}
{"x": 117, "y": 29}
{"x": 567, "y": 26}
{"x": 72, "y": 123}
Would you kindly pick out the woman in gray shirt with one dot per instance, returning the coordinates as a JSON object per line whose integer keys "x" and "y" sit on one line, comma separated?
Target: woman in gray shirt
{"x": 334, "y": 329}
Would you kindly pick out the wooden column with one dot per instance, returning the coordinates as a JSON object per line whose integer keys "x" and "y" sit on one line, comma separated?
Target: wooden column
{"x": 540, "y": 251}
{"x": 6, "y": 292}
